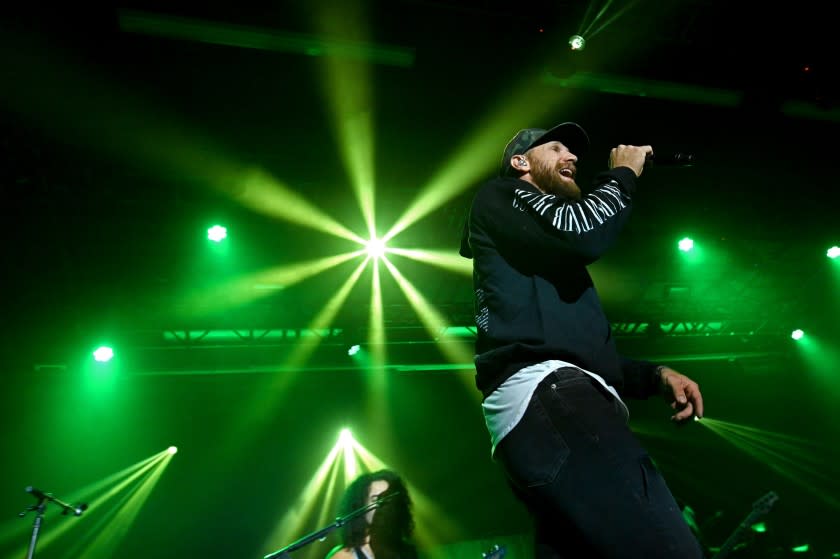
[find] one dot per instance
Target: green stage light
(833, 252)
(353, 350)
(685, 244)
(576, 42)
(103, 354)
(217, 233)
(797, 334)
(376, 248)
(172, 449)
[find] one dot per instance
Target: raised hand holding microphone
(633, 157)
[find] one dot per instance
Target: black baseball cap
(569, 134)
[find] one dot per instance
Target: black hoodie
(534, 298)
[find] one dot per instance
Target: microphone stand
(322, 533)
(40, 508)
(36, 525)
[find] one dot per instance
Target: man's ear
(519, 163)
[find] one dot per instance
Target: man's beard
(550, 181)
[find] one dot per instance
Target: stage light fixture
(217, 233)
(345, 437)
(577, 43)
(376, 248)
(103, 354)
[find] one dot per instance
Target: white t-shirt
(506, 405)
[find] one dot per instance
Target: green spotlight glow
(258, 190)
(245, 289)
(433, 321)
(103, 354)
(351, 465)
(105, 539)
(833, 252)
(797, 459)
(376, 248)
(759, 527)
(448, 260)
(172, 449)
(374, 362)
(801, 548)
(686, 244)
(329, 490)
(376, 331)
(299, 512)
(345, 437)
(605, 10)
(360, 357)
(797, 334)
(576, 42)
(242, 429)
(217, 233)
(348, 89)
(97, 495)
(324, 319)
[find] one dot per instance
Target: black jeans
(592, 489)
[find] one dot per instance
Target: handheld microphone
(675, 159)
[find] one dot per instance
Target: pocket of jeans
(563, 387)
(534, 452)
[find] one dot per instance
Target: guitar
(495, 552)
(759, 509)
